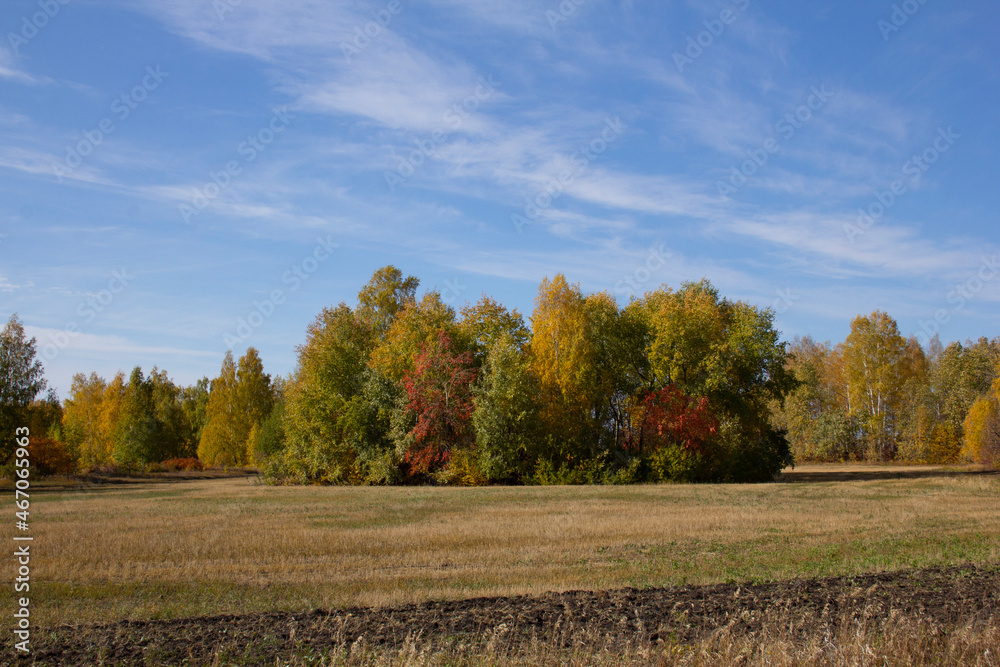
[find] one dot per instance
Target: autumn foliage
(881, 397)
(670, 418)
(680, 384)
(439, 394)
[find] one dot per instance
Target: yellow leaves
(240, 399)
(688, 326)
(417, 323)
(111, 407)
(561, 352)
(484, 323)
(982, 428)
(982, 432)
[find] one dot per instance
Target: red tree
(439, 389)
(670, 417)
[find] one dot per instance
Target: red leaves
(439, 389)
(671, 417)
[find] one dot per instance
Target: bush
(674, 464)
(49, 457)
(173, 465)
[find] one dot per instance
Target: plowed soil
(949, 597)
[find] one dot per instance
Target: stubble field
(275, 558)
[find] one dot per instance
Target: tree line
(878, 396)
(679, 385)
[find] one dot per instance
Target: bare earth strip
(948, 598)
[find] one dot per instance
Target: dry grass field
(170, 549)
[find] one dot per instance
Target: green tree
(22, 378)
(620, 375)
(730, 353)
(506, 419)
(486, 321)
(384, 297)
(194, 405)
(374, 421)
(330, 373)
(174, 430)
(45, 416)
(959, 376)
(137, 431)
(267, 440)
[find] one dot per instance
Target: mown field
(173, 549)
(167, 549)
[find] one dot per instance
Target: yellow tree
(111, 407)
(220, 444)
(982, 428)
(254, 399)
(875, 361)
(82, 418)
(562, 358)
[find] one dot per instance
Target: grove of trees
(881, 397)
(679, 385)
(675, 386)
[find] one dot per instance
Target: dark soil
(949, 597)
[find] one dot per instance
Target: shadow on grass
(862, 473)
(90, 483)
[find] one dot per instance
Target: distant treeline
(880, 397)
(680, 385)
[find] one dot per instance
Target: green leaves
(21, 379)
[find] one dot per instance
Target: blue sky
(182, 176)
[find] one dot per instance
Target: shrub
(49, 457)
(182, 464)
